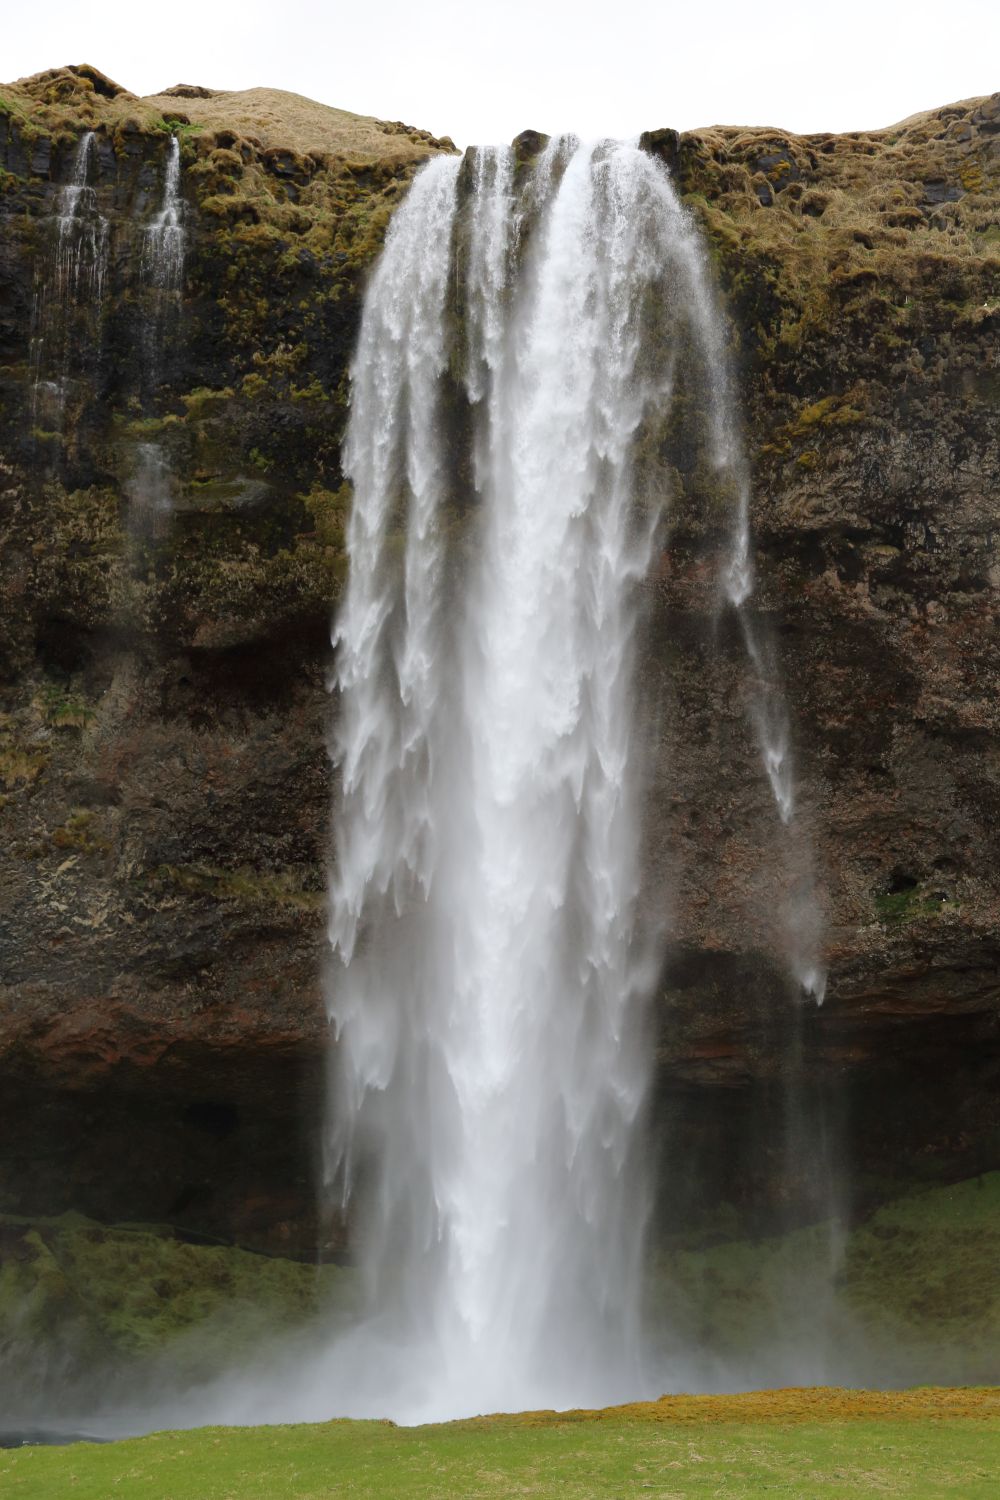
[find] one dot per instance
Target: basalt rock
(164, 781)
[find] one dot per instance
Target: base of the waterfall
(838, 1443)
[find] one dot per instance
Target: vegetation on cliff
(147, 1309)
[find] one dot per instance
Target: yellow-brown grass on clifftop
(80, 95)
(277, 118)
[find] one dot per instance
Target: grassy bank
(908, 1297)
(925, 1444)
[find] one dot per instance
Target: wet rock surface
(164, 780)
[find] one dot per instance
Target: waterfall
(811, 1137)
(489, 970)
(802, 918)
(69, 290)
(150, 485)
(82, 232)
(163, 256)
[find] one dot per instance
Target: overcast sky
(483, 73)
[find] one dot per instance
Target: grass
(920, 1445)
(98, 1303)
(912, 1295)
(914, 1291)
(274, 117)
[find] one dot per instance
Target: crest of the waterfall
(488, 974)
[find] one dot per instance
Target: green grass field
(812, 1445)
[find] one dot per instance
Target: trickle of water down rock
(70, 287)
(151, 485)
(164, 249)
(521, 339)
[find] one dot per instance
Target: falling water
(163, 255)
(489, 975)
(71, 289)
(803, 920)
(810, 1131)
(150, 485)
(82, 231)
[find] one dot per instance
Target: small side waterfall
(810, 1144)
(82, 249)
(803, 920)
(163, 257)
(151, 485)
(489, 979)
(69, 289)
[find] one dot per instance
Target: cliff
(164, 782)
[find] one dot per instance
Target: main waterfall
(489, 967)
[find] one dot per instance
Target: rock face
(164, 782)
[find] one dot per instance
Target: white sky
(483, 73)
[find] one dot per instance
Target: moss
(909, 905)
(13, 107)
(20, 765)
(329, 510)
(831, 411)
(63, 710)
(151, 426)
(203, 402)
(251, 887)
(80, 832)
(91, 1297)
(912, 1291)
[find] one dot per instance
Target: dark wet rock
(939, 190)
(529, 144)
(664, 144)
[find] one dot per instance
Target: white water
(164, 248)
(150, 486)
(74, 279)
(82, 231)
(802, 917)
(488, 984)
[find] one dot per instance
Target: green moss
(64, 710)
(93, 1294)
(150, 426)
(20, 764)
(831, 411)
(203, 402)
(909, 905)
(80, 832)
(913, 1290)
(251, 887)
(329, 510)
